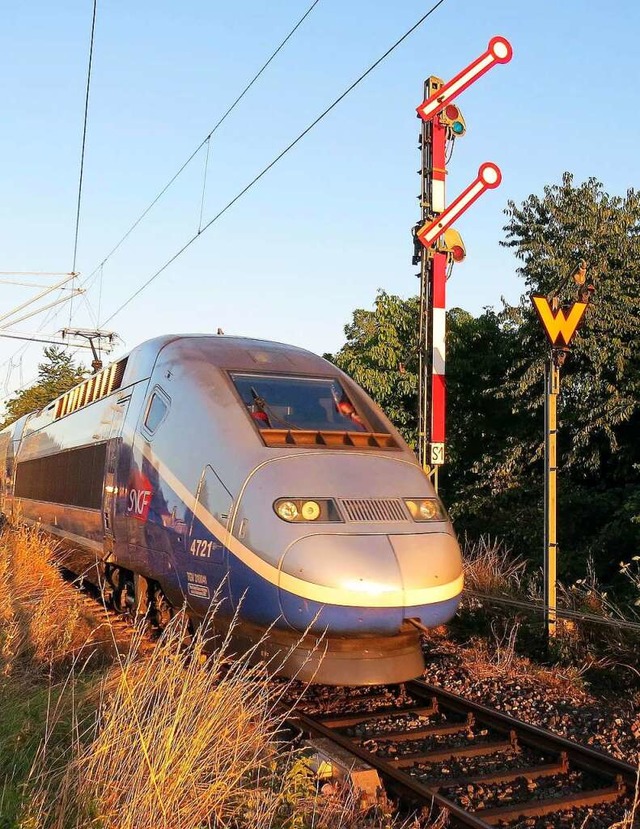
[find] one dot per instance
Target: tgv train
(249, 473)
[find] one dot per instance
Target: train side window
(157, 409)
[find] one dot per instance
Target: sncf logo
(139, 497)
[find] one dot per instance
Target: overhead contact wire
(80, 181)
(84, 135)
(170, 182)
(281, 155)
(208, 137)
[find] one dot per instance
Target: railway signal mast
(437, 246)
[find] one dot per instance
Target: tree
(381, 354)
(493, 478)
(601, 380)
(57, 374)
(480, 422)
(599, 406)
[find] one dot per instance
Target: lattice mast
(437, 245)
(435, 135)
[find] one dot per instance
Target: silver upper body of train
(253, 473)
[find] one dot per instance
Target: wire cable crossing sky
(318, 240)
(280, 155)
(206, 140)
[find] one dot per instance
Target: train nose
(342, 584)
(370, 583)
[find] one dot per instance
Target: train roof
(223, 351)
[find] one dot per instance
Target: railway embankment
(99, 727)
(105, 725)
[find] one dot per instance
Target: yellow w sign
(557, 326)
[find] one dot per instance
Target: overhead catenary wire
(50, 315)
(84, 135)
(204, 185)
(34, 273)
(99, 269)
(206, 139)
(61, 287)
(280, 156)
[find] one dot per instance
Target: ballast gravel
(538, 696)
(541, 698)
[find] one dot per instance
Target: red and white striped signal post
(437, 245)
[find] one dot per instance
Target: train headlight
(306, 509)
(425, 509)
(310, 511)
(287, 510)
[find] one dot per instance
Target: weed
(42, 621)
(490, 567)
(169, 737)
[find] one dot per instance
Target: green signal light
(457, 127)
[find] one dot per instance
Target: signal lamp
(452, 117)
(451, 243)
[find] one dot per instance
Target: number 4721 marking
(201, 547)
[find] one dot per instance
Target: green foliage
(480, 422)
(381, 354)
(493, 478)
(31, 709)
(57, 374)
(600, 403)
(496, 389)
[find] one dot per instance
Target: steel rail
(401, 780)
(619, 777)
(535, 736)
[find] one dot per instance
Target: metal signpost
(437, 245)
(560, 330)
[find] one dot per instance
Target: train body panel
(252, 474)
(10, 439)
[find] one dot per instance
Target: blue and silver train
(249, 473)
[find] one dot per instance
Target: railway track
(441, 752)
(481, 766)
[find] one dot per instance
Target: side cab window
(156, 411)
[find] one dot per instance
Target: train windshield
(298, 403)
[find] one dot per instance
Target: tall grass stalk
(490, 567)
(43, 623)
(174, 737)
(181, 738)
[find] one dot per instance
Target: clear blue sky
(331, 223)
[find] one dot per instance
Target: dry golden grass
(168, 738)
(490, 567)
(43, 623)
(183, 739)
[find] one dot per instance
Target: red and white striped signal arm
(498, 51)
(489, 176)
